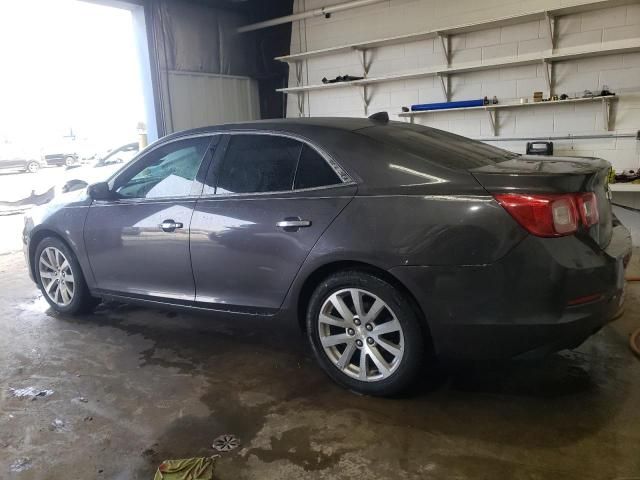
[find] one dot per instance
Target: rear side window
(443, 148)
(314, 171)
(258, 163)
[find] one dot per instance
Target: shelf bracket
(366, 98)
(548, 75)
(298, 66)
(606, 114)
(446, 47)
(362, 57)
(445, 84)
(300, 97)
(550, 23)
(493, 120)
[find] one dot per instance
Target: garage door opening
(72, 92)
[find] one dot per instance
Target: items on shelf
(627, 176)
(537, 96)
(605, 92)
(420, 107)
(341, 78)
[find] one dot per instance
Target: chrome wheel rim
(33, 167)
(56, 276)
(361, 335)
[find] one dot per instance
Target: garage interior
(114, 394)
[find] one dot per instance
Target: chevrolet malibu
(391, 244)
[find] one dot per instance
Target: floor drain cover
(225, 443)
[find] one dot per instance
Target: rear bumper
(545, 295)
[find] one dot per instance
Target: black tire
(413, 357)
(82, 301)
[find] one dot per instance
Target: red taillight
(551, 215)
(588, 207)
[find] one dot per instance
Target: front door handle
(292, 224)
(170, 225)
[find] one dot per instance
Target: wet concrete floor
(132, 386)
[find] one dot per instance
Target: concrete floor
(132, 387)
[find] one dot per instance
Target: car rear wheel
(60, 278)
(33, 167)
(365, 333)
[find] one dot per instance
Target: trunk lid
(535, 174)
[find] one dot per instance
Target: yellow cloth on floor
(186, 469)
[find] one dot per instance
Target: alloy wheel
(56, 276)
(361, 335)
(33, 167)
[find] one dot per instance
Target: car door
(138, 243)
(266, 201)
(9, 158)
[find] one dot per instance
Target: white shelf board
(609, 48)
(365, 81)
(511, 105)
(453, 30)
(494, 63)
(624, 187)
(460, 109)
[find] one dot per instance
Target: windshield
(443, 148)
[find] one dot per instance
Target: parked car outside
(122, 154)
(60, 159)
(390, 243)
(15, 158)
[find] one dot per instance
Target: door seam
(295, 277)
(193, 277)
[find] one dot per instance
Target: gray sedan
(391, 244)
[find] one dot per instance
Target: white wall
(621, 73)
(200, 99)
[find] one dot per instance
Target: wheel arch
(35, 240)
(319, 274)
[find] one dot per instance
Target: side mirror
(100, 191)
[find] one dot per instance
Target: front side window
(167, 171)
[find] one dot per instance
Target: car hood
(78, 198)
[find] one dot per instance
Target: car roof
(297, 125)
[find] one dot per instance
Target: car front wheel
(365, 334)
(60, 278)
(33, 167)
(69, 161)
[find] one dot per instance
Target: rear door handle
(170, 225)
(292, 224)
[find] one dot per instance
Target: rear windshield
(442, 148)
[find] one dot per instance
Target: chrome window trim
(279, 192)
(143, 201)
(343, 176)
